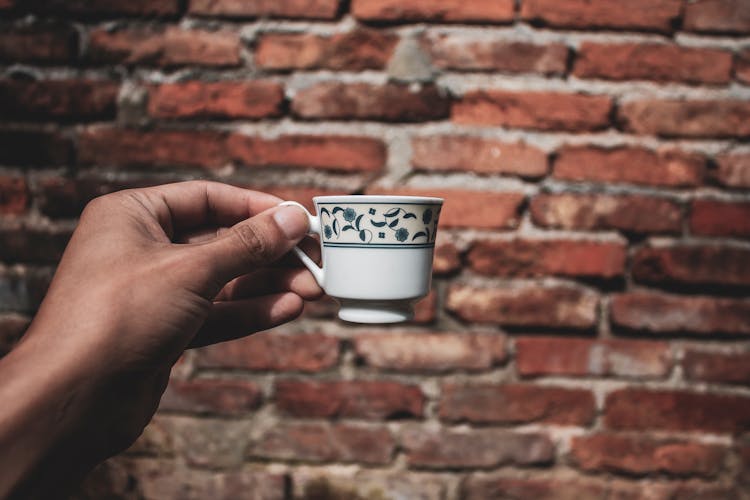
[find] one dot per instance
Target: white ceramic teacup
(377, 253)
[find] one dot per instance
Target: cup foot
(373, 312)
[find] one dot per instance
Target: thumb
(255, 242)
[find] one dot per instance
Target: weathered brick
(170, 47)
(653, 61)
(633, 165)
(477, 11)
(591, 212)
(12, 327)
(157, 439)
(303, 195)
(33, 148)
(273, 352)
(692, 265)
(544, 257)
(58, 99)
(302, 9)
(641, 455)
(353, 51)
(734, 170)
(363, 101)
(430, 352)
(39, 43)
(318, 483)
(537, 356)
(723, 368)
(679, 118)
(23, 288)
(528, 306)
(324, 442)
(744, 453)
(718, 16)
(456, 52)
(720, 218)
(475, 154)
(425, 311)
(481, 448)
(742, 66)
(226, 397)
(516, 403)
(693, 489)
(20, 243)
(370, 399)
(645, 15)
(465, 208)
(533, 110)
(447, 259)
(500, 487)
(669, 314)
(640, 409)
(214, 443)
(247, 99)
(14, 195)
(104, 8)
(337, 153)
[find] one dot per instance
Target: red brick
(718, 16)
(324, 442)
(425, 311)
(456, 52)
(528, 306)
(225, 397)
(632, 165)
(258, 99)
(734, 170)
(678, 118)
(648, 15)
(744, 453)
(447, 259)
(273, 352)
(591, 212)
(303, 9)
(481, 448)
(742, 66)
(19, 243)
(526, 258)
(665, 314)
(430, 352)
(723, 368)
(33, 148)
(338, 153)
(364, 101)
(653, 61)
(170, 47)
(58, 99)
(303, 195)
(516, 403)
(7, 4)
(107, 146)
(105, 8)
(537, 356)
(641, 409)
(719, 218)
(692, 265)
(476, 11)
(500, 487)
(358, 398)
(642, 455)
(14, 195)
(39, 43)
(12, 327)
(473, 209)
(533, 110)
(475, 154)
(353, 51)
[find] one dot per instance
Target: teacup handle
(314, 221)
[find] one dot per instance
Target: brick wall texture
(588, 336)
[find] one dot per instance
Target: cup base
(376, 312)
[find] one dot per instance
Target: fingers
(232, 320)
(272, 280)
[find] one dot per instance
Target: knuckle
(252, 241)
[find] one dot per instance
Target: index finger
(191, 204)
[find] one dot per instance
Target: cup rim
(376, 198)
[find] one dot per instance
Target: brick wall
(589, 333)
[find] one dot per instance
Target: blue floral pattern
(380, 223)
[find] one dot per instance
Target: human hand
(147, 273)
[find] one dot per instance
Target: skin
(147, 274)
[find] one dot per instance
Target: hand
(147, 273)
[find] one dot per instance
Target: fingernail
(292, 221)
